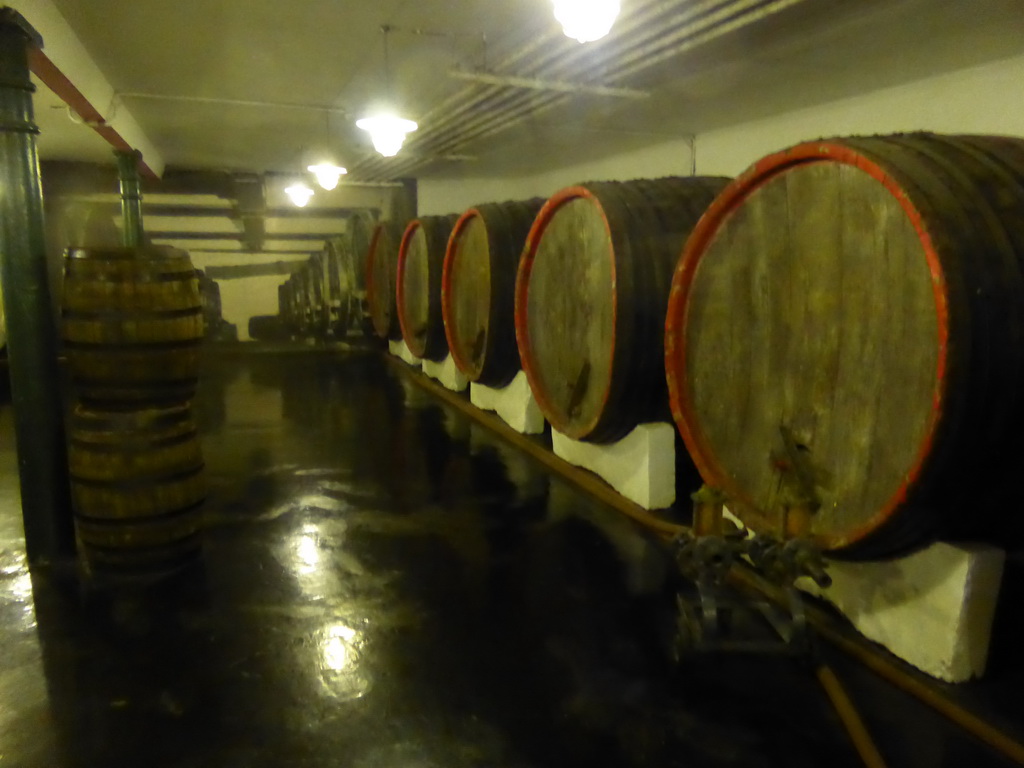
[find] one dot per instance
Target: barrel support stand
(32, 333)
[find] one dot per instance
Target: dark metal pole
(131, 197)
(31, 330)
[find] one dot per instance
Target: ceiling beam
(236, 236)
(67, 68)
(189, 211)
(237, 271)
(536, 84)
(250, 207)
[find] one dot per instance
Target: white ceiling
(328, 53)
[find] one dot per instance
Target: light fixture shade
(586, 20)
(327, 174)
(300, 194)
(387, 133)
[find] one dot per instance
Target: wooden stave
(633, 392)
(138, 483)
(132, 325)
(437, 231)
(508, 225)
(914, 166)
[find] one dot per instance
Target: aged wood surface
(571, 312)
(381, 275)
(470, 296)
(812, 310)
(478, 295)
(596, 277)
(421, 265)
(132, 324)
(866, 297)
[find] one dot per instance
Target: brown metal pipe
(850, 717)
(741, 575)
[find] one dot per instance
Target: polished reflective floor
(384, 584)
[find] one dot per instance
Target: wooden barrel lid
(420, 263)
(571, 333)
(478, 289)
(591, 293)
(381, 271)
(832, 320)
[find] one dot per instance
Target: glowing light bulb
(327, 174)
(300, 194)
(586, 20)
(387, 133)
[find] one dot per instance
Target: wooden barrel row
(326, 297)
(842, 331)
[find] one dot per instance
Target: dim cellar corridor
(386, 584)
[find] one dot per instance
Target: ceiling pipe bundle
(496, 108)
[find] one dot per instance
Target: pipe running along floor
(385, 584)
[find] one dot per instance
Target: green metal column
(31, 330)
(131, 197)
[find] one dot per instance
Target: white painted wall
(440, 196)
(247, 297)
(983, 99)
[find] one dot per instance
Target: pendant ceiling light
(387, 131)
(327, 174)
(586, 20)
(300, 194)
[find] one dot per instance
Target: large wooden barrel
(420, 263)
(209, 298)
(315, 288)
(478, 289)
(846, 330)
(137, 483)
(591, 294)
(360, 231)
(361, 227)
(381, 273)
(336, 258)
(132, 325)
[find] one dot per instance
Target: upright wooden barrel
(478, 289)
(420, 263)
(132, 325)
(846, 331)
(209, 298)
(591, 294)
(381, 273)
(137, 484)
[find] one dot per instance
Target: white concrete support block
(641, 466)
(934, 609)
(447, 373)
(401, 350)
(514, 403)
